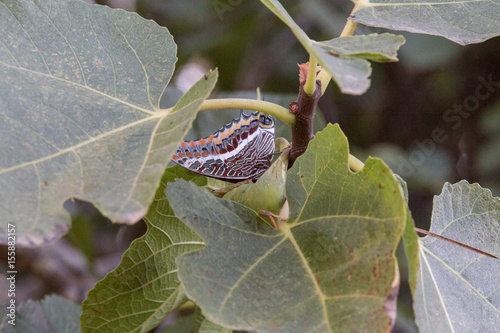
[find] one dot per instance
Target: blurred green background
(395, 120)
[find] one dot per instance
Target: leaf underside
(374, 47)
(79, 113)
(458, 290)
(463, 22)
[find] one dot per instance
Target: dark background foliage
(394, 120)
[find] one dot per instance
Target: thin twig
(425, 232)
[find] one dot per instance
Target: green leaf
(351, 75)
(268, 192)
(52, 314)
(410, 239)
(329, 269)
(144, 288)
(374, 47)
(463, 22)
(411, 246)
(458, 289)
(79, 92)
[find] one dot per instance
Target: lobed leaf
(80, 87)
(458, 289)
(463, 22)
(330, 268)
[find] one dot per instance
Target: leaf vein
(457, 274)
(29, 37)
(247, 271)
(421, 249)
(107, 54)
(83, 143)
(140, 62)
(67, 42)
(290, 236)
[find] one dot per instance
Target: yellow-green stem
(355, 164)
(310, 84)
(250, 104)
(350, 26)
(325, 79)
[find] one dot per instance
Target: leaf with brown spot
(316, 272)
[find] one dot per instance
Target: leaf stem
(310, 84)
(350, 26)
(355, 164)
(325, 79)
(250, 104)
